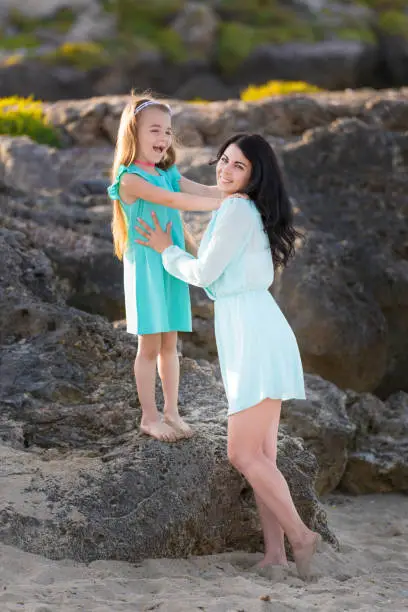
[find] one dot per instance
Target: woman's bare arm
(133, 187)
(207, 191)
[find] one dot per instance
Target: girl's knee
(148, 347)
(168, 346)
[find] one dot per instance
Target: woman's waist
(258, 292)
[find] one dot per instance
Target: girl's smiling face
(233, 170)
(154, 134)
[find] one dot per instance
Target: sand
(370, 573)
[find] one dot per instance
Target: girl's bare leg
(145, 375)
(246, 436)
(169, 372)
(275, 553)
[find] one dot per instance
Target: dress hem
(283, 398)
(158, 331)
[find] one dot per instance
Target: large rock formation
(78, 479)
(360, 442)
(378, 457)
(66, 385)
(345, 293)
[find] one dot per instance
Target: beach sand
(370, 573)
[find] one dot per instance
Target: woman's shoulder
(238, 201)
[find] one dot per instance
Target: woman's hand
(157, 239)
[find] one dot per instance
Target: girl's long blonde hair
(125, 154)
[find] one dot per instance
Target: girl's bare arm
(133, 187)
(207, 191)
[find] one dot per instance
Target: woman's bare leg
(169, 372)
(246, 435)
(145, 375)
(275, 553)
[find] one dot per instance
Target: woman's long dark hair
(266, 188)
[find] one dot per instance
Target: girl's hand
(157, 239)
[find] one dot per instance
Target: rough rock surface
(78, 479)
(324, 425)
(345, 158)
(339, 326)
(378, 457)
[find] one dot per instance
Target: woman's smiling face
(233, 170)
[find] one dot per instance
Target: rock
(331, 64)
(43, 9)
(205, 87)
(30, 78)
(81, 482)
(385, 275)
(22, 165)
(378, 457)
(293, 115)
(72, 226)
(279, 118)
(200, 343)
(391, 114)
(28, 291)
(197, 24)
(92, 24)
(194, 162)
(325, 427)
(360, 170)
(341, 331)
(367, 198)
(90, 276)
(394, 51)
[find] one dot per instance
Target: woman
(260, 364)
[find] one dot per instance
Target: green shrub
(394, 23)
(20, 41)
(62, 21)
(365, 35)
(235, 43)
(254, 12)
(138, 16)
(81, 55)
(236, 40)
(25, 117)
(384, 5)
(171, 44)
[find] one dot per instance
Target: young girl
(157, 304)
(258, 353)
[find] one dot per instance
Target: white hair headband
(151, 103)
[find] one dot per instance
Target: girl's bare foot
(304, 554)
(182, 429)
(159, 431)
(272, 560)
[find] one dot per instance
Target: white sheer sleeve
(233, 226)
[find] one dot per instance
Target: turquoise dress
(155, 300)
(258, 352)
